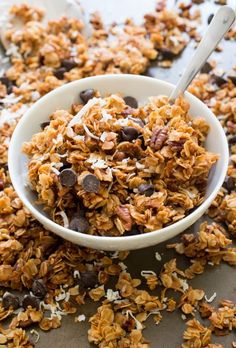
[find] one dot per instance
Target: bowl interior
(139, 87)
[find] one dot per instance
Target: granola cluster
(57, 277)
(110, 169)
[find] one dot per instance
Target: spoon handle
(218, 27)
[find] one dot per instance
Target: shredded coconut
(183, 316)
(80, 318)
(76, 274)
(34, 332)
(211, 299)
(65, 219)
(158, 256)
(139, 326)
(103, 136)
(90, 133)
(77, 119)
(147, 273)
(122, 266)
(112, 295)
(105, 116)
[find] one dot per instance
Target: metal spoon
(218, 27)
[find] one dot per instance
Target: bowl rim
(107, 239)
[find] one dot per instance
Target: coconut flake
(76, 274)
(11, 99)
(7, 116)
(35, 95)
(158, 256)
(183, 316)
(139, 326)
(55, 170)
(77, 119)
(139, 165)
(103, 136)
(209, 300)
(79, 137)
(105, 116)
(112, 295)
(96, 161)
(147, 273)
(34, 332)
(65, 218)
(80, 318)
(115, 255)
(122, 122)
(183, 283)
(122, 266)
(90, 133)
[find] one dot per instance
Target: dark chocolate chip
(32, 301)
(87, 94)
(38, 288)
(229, 183)
(134, 231)
(207, 67)
(129, 133)
(10, 300)
(131, 101)
(167, 54)
(59, 73)
(146, 189)
(232, 140)
(8, 83)
(88, 279)
(79, 224)
(209, 19)
(44, 125)
(233, 79)
(68, 177)
(68, 64)
(90, 183)
(219, 80)
(1, 185)
(138, 121)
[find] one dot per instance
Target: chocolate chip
(167, 54)
(133, 232)
(38, 288)
(6, 82)
(138, 121)
(229, 183)
(129, 133)
(90, 183)
(1, 185)
(79, 224)
(131, 101)
(207, 67)
(32, 301)
(232, 140)
(86, 95)
(88, 279)
(68, 64)
(68, 177)
(146, 189)
(44, 125)
(59, 73)
(219, 80)
(210, 18)
(10, 300)
(233, 79)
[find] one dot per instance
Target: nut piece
(158, 138)
(124, 215)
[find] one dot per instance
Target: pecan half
(177, 145)
(158, 138)
(124, 214)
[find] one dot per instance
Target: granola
(59, 276)
(105, 168)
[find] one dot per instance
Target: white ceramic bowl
(141, 88)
